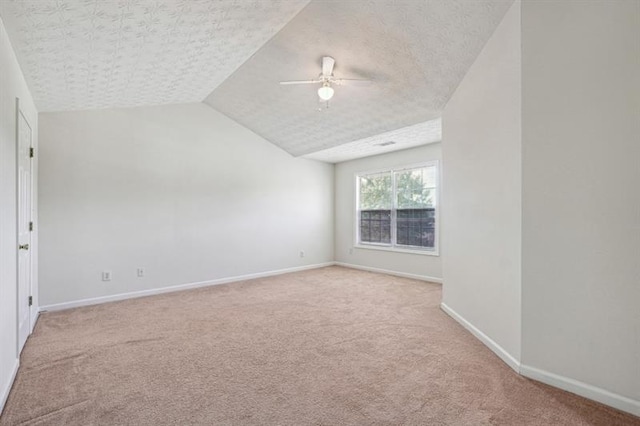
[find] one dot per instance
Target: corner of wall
(482, 205)
(12, 86)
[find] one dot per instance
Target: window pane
(415, 188)
(375, 226)
(416, 227)
(400, 201)
(429, 176)
(376, 192)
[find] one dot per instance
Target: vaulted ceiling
(231, 54)
(82, 54)
(416, 52)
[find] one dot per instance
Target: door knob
(23, 247)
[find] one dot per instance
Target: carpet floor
(330, 346)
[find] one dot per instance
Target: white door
(24, 230)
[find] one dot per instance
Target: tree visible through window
(398, 207)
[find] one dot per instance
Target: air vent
(386, 143)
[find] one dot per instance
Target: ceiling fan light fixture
(326, 78)
(325, 92)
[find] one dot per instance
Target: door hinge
(30, 300)
(30, 226)
(32, 152)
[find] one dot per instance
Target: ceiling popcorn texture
(407, 137)
(232, 54)
(416, 52)
(83, 54)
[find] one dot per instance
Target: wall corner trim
(389, 272)
(6, 387)
(583, 389)
(588, 391)
(505, 356)
(179, 287)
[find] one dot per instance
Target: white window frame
(435, 251)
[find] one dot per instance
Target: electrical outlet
(301, 253)
(106, 275)
(140, 272)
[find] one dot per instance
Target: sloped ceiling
(83, 54)
(416, 52)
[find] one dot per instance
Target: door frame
(19, 113)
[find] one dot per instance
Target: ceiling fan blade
(352, 82)
(300, 82)
(327, 65)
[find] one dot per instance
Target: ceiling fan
(327, 79)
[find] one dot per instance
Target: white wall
(12, 86)
(581, 201)
(407, 263)
(541, 208)
(180, 190)
(481, 203)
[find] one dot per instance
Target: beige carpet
(331, 346)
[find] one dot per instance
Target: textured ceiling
(416, 51)
(407, 137)
(80, 54)
(84, 54)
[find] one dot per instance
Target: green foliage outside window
(414, 190)
(376, 192)
(411, 217)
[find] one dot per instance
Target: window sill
(397, 249)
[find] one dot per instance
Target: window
(397, 209)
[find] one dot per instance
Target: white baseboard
(34, 319)
(565, 383)
(180, 287)
(583, 389)
(7, 386)
(510, 360)
(388, 272)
